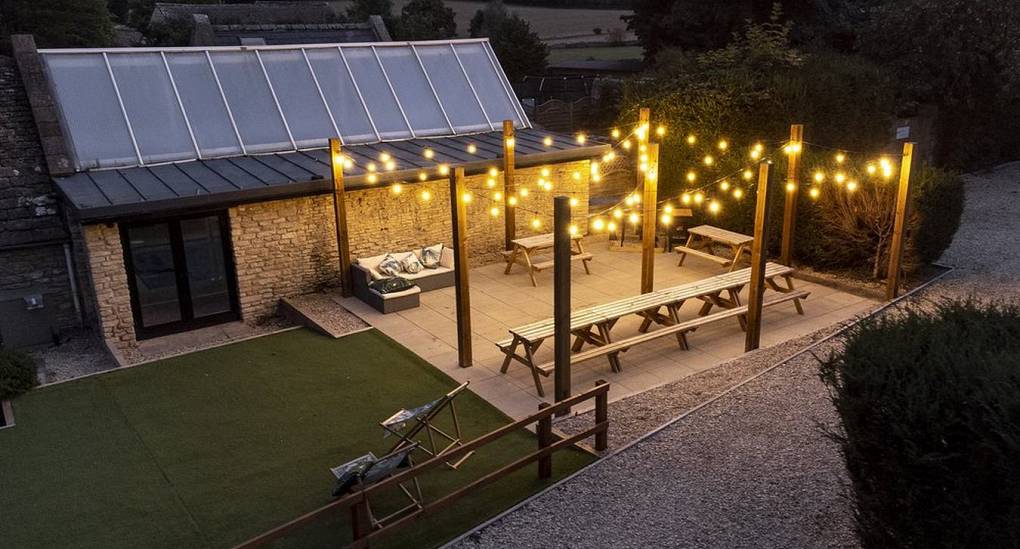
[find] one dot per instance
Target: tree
(519, 49)
(57, 23)
(360, 10)
(426, 20)
(487, 19)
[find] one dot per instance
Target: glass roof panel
(152, 107)
(306, 114)
(88, 102)
(265, 99)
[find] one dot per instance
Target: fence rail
(357, 501)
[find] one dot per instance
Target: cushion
(410, 263)
(391, 285)
(389, 266)
(431, 256)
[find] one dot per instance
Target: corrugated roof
(104, 195)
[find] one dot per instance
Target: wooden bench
(706, 237)
(593, 325)
(525, 248)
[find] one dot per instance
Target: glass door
(180, 273)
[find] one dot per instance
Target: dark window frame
(187, 321)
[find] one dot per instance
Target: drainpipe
(72, 281)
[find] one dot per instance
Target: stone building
(157, 191)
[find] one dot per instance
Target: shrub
(937, 206)
(930, 406)
(17, 373)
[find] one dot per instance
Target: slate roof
(112, 194)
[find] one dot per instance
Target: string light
(444, 169)
(524, 192)
(372, 178)
(634, 218)
(840, 157)
(497, 195)
(738, 193)
(641, 132)
(548, 141)
(397, 188)
(618, 213)
(598, 224)
(685, 198)
(490, 182)
(748, 174)
(370, 167)
(691, 139)
(493, 172)
(724, 186)
(545, 172)
(426, 195)
(348, 163)
(509, 142)
(814, 192)
(851, 186)
(422, 176)
(819, 176)
(791, 186)
(384, 157)
(626, 144)
(708, 160)
(512, 201)
(581, 138)
(699, 197)
(576, 175)
(755, 154)
(391, 165)
(611, 226)
(692, 176)
(666, 219)
(609, 156)
(714, 207)
(573, 202)
(840, 177)
(536, 223)
(870, 168)
(723, 145)
(471, 148)
(572, 230)
(660, 131)
(428, 153)
(494, 211)
(615, 133)
(668, 208)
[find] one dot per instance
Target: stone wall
(282, 248)
(381, 221)
(32, 230)
(288, 247)
(110, 285)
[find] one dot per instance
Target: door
(180, 273)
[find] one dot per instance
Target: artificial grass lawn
(212, 448)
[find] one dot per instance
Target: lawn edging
(701, 406)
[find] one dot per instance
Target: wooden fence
(548, 443)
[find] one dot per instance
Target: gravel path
(754, 468)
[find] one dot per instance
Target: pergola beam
(343, 245)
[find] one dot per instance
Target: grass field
(601, 53)
(549, 23)
(209, 449)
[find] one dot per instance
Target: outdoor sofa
(364, 270)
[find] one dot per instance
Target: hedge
(930, 406)
(17, 373)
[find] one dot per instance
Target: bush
(930, 405)
(937, 206)
(17, 373)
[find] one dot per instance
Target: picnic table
(593, 326)
(706, 237)
(525, 248)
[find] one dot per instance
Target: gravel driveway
(753, 468)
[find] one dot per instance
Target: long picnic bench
(706, 237)
(593, 325)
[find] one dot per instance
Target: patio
(500, 302)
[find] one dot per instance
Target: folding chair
(367, 470)
(408, 425)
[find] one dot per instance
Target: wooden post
(601, 415)
(759, 248)
(545, 438)
(649, 200)
(790, 211)
(509, 212)
(458, 207)
(892, 287)
(561, 299)
(361, 523)
(343, 245)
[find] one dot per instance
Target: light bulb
(691, 176)
(738, 193)
(723, 144)
(428, 153)
(493, 172)
(426, 195)
(494, 211)
(490, 182)
(598, 224)
(524, 191)
(666, 219)
(699, 197)
(471, 148)
(634, 218)
(497, 195)
(548, 141)
(536, 223)
(708, 160)
(618, 213)
(714, 207)
(748, 174)
(815, 192)
(573, 202)
(397, 188)
(725, 185)
(615, 133)
(691, 139)
(581, 138)
(444, 169)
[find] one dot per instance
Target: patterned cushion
(411, 264)
(431, 255)
(389, 266)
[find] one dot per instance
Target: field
(554, 25)
(607, 53)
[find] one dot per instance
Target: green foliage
(17, 373)
(360, 10)
(174, 31)
(57, 23)
(930, 407)
(426, 20)
(938, 198)
(519, 49)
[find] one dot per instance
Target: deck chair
(368, 469)
(409, 425)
